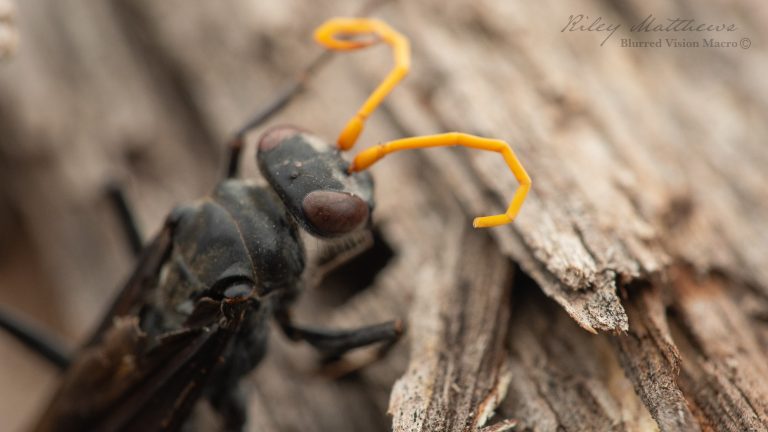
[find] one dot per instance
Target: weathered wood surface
(646, 223)
(8, 34)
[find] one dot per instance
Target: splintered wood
(646, 223)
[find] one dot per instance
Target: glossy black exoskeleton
(193, 318)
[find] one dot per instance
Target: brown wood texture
(645, 225)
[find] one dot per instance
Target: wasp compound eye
(314, 182)
(274, 136)
(334, 213)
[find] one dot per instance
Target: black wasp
(193, 318)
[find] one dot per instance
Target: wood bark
(630, 294)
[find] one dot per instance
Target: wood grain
(645, 224)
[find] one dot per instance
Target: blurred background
(643, 160)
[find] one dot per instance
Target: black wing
(121, 383)
(124, 379)
(143, 280)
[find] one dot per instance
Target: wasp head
(314, 182)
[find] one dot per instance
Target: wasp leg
(369, 156)
(236, 144)
(35, 339)
(330, 34)
(127, 219)
(333, 343)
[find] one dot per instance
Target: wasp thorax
(313, 181)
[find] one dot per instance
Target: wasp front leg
(334, 343)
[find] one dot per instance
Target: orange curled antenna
(369, 156)
(327, 35)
